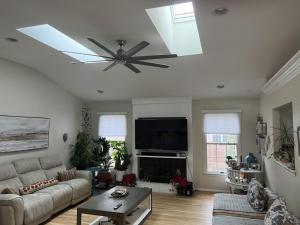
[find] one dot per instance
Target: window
(183, 12)
(52, 37)
(221, 131)
(113, 127)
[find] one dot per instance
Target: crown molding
(290, 70)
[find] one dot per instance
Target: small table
(103, 205)
(95, 171)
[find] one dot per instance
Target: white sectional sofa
(35, 208)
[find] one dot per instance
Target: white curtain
(222, 123)
(112, 126)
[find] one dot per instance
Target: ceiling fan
(126, 58)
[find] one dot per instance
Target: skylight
(52, 37)
(183, 12)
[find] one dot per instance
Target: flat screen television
(161, 134)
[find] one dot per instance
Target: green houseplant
(121, 158)
(100, 153)
(81, 155)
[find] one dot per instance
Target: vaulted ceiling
(240, 49)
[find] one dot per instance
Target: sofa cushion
(276, 215)
(13, 183)
(234, 205)
(26, 165)
(256, 196)
(8, 178)
(230, 220)
(61, 194)
(36, 207)
(79, 186)
(49, 162)
(32, 177)
(53, 172)
(67, 174)
(7, 171)
(270, 197)
(29, 189)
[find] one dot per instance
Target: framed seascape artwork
(23, 133)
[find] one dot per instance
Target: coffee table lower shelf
(137, 218)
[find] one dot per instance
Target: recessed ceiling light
(11, 39)
(220, 11)
(100, 91)
(220, 86)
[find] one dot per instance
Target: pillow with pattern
(277, 214)
(256, 196)
(8, 191)
(67, 174)
(29, 189)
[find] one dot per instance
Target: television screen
(161, 134)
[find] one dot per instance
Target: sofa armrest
(11, 209)
(84, 174)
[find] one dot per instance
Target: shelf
(161, 157)
(293, 172)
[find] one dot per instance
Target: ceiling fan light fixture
(220, 86)
(100, 91)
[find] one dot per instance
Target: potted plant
(100, 154)
(81, 150)
(121, 158)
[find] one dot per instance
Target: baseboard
(211, 190)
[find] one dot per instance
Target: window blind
(222, 123)
(112, 126)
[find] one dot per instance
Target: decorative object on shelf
(65, 137)
(232, 163)
(283, 146)
(298, 136)
(261, 127)
(19, 133)
(122, 159)
(250, 158)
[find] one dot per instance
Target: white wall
(248, 144)
(280, 180)
(26, 92)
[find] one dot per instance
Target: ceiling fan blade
(137, 48)
(110, 66)
(152, 57)
(102, 47)
(78, 53)
(132, 67)
(149, 64)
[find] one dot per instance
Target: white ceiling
(240, 49)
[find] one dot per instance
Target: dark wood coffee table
(103, 205)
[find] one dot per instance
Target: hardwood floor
(167, 210)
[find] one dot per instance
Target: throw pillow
(67, 174)
(29, 189)
(277, 214)
(8, 191)
(256, 196)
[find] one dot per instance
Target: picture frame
(298, 136)
(22, 133)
